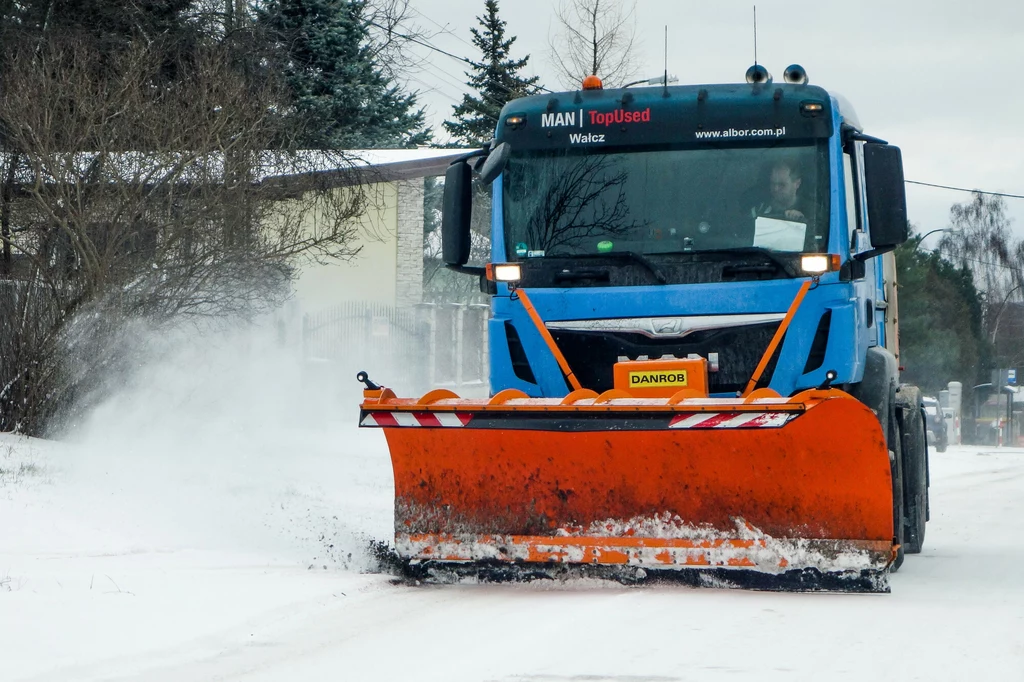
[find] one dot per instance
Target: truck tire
(893, 442)
(877, 390)
(913, 442)
(876, 387)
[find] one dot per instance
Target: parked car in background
(936, 424)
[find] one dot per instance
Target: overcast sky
(940, 79)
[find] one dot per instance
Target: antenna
(757, 74)
(755, 35)
(665, 82)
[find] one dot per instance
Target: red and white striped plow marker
(434, 419)
(731, 420)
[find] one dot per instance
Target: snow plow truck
(693, 350)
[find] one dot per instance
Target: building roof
(376, 165)
(364, 166)
(290, 170)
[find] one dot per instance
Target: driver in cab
(783, 202)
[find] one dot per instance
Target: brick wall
(409, 289)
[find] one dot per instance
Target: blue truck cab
(683, 220)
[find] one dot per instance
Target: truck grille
(592, 354)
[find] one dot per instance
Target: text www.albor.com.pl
(747, 132)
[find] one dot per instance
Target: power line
(444, 29)
(978, 260)
(447, 31)
(457, 101)
(452, 79)
(436, 70)
(464, 60)
(956, 259)
(417, 41)
(432, 88)
(964, 189)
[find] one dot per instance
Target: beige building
(368, 313)
(388, 270)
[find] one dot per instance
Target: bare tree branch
(130, 194)
(594, 37)
(980, 240)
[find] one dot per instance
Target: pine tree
(941, 330)
(111, 23)
(495, 80)
(341, 98)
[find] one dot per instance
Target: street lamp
(930, 232)
(999, 312)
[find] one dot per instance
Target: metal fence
(430, 345)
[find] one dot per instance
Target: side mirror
(455, 213)
(495, 162)
(887, 196)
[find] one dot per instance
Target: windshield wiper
(773, 256)
(750, 269)
(631, 255)
(579, 275)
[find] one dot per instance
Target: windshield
(571, 203)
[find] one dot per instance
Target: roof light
(811, 108)
(504, 272)
(592, 83)
(817, 263)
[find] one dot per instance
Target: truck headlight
(504, 272)
(817, 263)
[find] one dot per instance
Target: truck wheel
(877, 391)
(876, 388)
(913, 442)
(892, 437)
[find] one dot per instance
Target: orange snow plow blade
(764, 492)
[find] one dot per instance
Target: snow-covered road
(122, 564)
